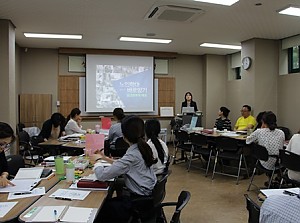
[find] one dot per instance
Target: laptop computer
(186, 110)
(193, 122)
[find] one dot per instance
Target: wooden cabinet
(34, 109)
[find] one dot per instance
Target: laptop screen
(194, 122)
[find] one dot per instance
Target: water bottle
(70, 172)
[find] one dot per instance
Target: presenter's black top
(192, 104)
(3, 163)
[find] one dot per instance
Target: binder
(84, 183)
(61, 214)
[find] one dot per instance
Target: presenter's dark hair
(133, 130)
(119, 113)
(57, 119)
(6, 131)
(225, 111)
(187, 94)
(269, 118)
(74, 112)
(248, 107)
(152, 129)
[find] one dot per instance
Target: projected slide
(119, 81)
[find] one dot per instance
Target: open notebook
(60, 214)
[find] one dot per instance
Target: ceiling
(102, 22)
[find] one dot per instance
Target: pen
(20, 193)
(55, 215)
(63, 198)
(289, 193)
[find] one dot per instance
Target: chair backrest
(24, 136)
(227, 144)
(182, 201)
(259, 152)
(289, 160)
(199, 139)
(253, 210)
(14, 162)
(121, 144)
(159, 191)
(182, 136)
(287, 132)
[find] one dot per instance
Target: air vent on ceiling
(173, 13)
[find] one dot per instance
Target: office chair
(148, 209)
(26, 148)
(290, 161)
(229, 149)
(253, 210)
(261, 153)
(14, 162)
(200, 146)
(182, 201)
(183, 143)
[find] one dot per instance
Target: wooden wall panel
(166, 92)
(68, 93)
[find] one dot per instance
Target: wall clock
(246, 63)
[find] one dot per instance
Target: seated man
(246, 121)
(280, 208)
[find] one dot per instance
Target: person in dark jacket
(6, 137)
(53, 128)
(188, 101)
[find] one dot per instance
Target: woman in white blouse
(159, 148)
(269, 137)
(72, 125)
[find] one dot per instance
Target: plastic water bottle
(70, 172)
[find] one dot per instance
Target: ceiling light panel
(52, 36)
(219, 2)
(222, 46)
(291, 10)
(145, 40)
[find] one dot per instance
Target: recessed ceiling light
(145, 40)
(219, 2)
(290, 10)
(52, 36)
(222, 46)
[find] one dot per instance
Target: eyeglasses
(5, 146)
(244, 111)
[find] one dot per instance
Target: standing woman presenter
(188, 101)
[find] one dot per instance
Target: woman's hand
(4, 181)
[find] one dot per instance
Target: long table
(24, 203)
(93, 200)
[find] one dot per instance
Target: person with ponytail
(136, 168)
(268, 136)
(72, 122)
(159, 147)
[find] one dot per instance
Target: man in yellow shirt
(246, 121)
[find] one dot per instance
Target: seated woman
(73, 125)
(6, 137)
(269, 137)
(135, 166)
(188, 101)
(223, 122)
(159, 147)
(294, 147)
(53, 128)
(115, 130)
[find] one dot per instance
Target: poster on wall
(76, 64)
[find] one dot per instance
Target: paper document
(51, 159)
(70, 194)
(75, 135)
(77, 214)
(230, 134)
(35, 192)
(271, 192)
(60, 214)
(29, 173)
(20, 185)
(5, 207)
